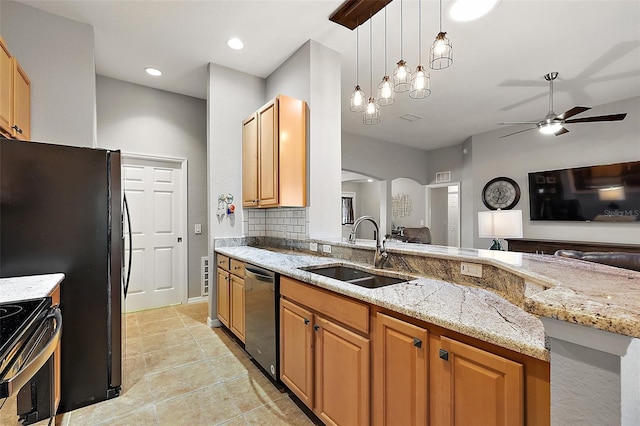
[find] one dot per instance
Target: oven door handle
(25, 374)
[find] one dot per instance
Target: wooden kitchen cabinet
(400, 373)
(223, 293)
(15, 97)
(473, 386)
(324, 360)
(296, 350)
(236, 323)
(230, 294)
(274, 146)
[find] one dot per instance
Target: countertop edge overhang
(14, 289)
(471, 311)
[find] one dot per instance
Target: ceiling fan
(553, 124)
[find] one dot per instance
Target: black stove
(18, 321)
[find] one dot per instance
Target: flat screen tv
(607, 193)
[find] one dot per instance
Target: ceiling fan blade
(517, 122)
(515, 133)
(612, 117)
(561, 131)
(573, 111)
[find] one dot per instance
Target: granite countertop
(471, 311)
(576, 291)
(28, 287)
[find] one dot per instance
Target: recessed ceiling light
(468, 10)
(153, 71)
(235, 43)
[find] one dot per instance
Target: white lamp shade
(500, 224)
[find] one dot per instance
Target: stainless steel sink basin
(356, 276)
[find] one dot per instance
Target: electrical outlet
(326, 248)
(471, 269)
(313, 246)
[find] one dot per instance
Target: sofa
(617, 259)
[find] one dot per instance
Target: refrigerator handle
(126, 210)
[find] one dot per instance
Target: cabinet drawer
(347, 311)
(222, 262)
(237, 268)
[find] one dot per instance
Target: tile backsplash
(290, 223)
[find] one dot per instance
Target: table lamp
(499, 224)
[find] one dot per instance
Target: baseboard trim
(199, 299)
(214, 323)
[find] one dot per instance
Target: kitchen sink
(356, 276)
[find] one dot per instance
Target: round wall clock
(501, 193)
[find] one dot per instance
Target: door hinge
(444, 355)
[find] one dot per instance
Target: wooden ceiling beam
(352, 13)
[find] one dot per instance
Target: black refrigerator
(60, 211)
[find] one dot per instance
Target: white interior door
(155, 195)
(453, 220)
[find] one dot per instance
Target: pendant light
(421, 81)
(372, 110)
(386, 94)
(441, 55)
(402, 73)
(357, 96)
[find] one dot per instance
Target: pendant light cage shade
(371, 112)
(386, 94)
(358, 100)
(420, 84)
(441, 52)
(402, 77)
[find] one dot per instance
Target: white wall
(584, 145)
(231, 97)
(416, 193)
(383, 160)
(446, 159)
(58, 56)
(310, 74)
(142, 120)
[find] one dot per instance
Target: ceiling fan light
(358, 99)
(420, 84)
(386, 94)
(549, 128)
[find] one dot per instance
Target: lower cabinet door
(342, 375)
(484, 389)
(296, 350)
(223, 295)
(400, 366)
(237, 306)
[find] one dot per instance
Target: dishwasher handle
(258, 274)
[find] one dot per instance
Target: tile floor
(179, 371)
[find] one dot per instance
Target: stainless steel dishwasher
(261, 293)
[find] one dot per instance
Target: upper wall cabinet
(274, 155)
(15, 97)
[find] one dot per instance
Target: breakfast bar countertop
(468, 310)
(28, 287)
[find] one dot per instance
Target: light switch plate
(198, 228)
(471, 269)
(313, 246)
(326, 248)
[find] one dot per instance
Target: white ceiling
(497, 75)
